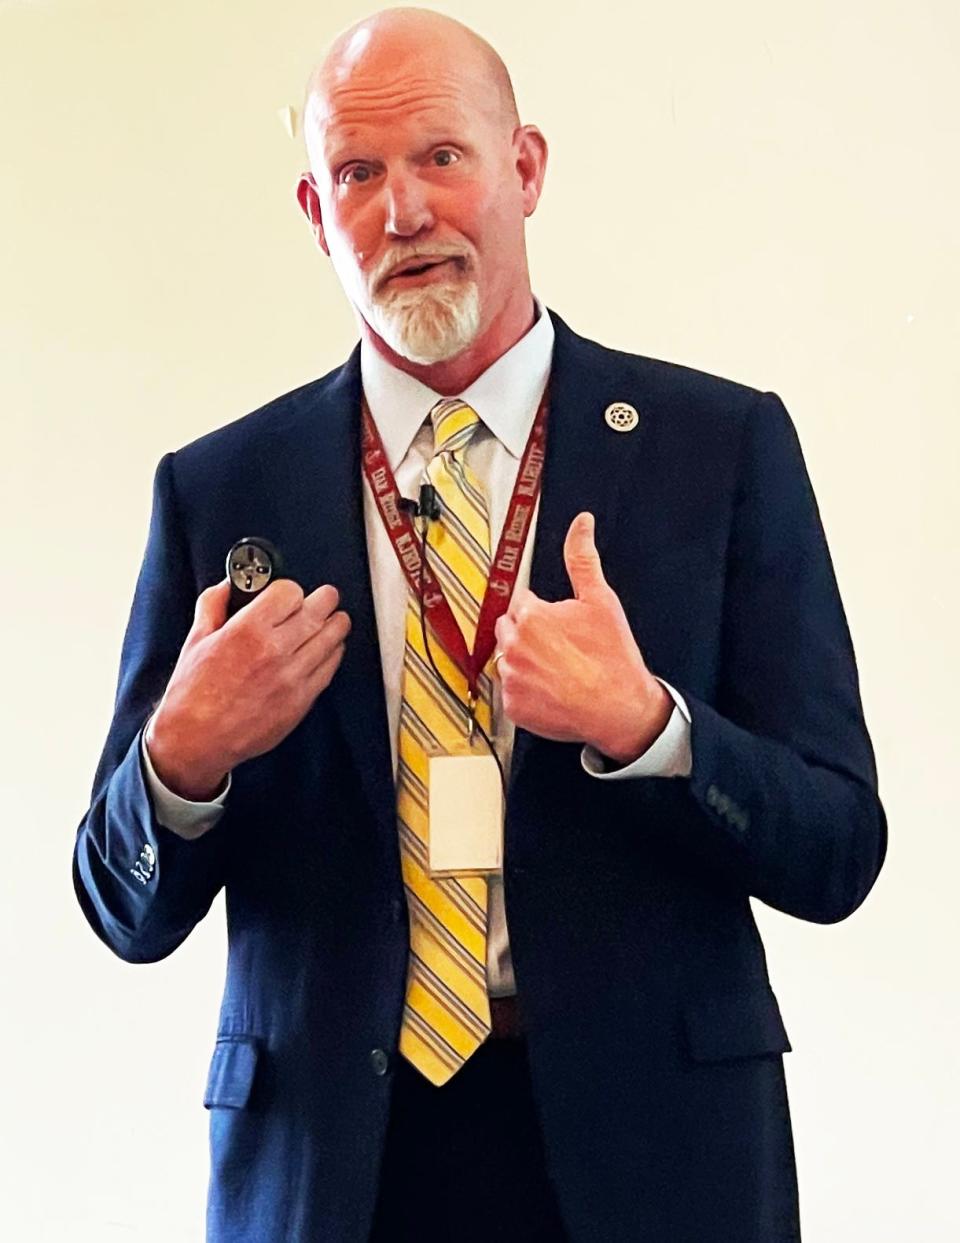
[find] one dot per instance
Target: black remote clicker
(252, 563)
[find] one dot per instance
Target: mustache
(399, 256)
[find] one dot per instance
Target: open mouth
(417, 267)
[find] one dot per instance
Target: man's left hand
(572, 670)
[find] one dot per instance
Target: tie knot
(454, 423)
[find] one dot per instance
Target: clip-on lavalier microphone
(428, 505)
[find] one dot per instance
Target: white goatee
(428, 325)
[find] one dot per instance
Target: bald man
(516, 563)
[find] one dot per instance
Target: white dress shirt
(506, 397)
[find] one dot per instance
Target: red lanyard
(503, 567)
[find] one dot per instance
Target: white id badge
(465, 823)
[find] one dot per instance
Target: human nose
(408, 207)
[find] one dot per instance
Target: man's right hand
(241, 684)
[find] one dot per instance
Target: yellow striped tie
(446, 1014)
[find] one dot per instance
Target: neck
(453, 375)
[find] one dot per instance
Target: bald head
(421, 181)
(374, 51)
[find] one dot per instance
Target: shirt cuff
(669, 755)
(181, 816)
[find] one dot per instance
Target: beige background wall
(767, 190)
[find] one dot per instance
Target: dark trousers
(464, 1163)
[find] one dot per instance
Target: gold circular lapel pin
(621, 416)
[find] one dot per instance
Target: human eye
(357, 174)
(443, 157)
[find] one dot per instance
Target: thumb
(582, 559)
(211, 610)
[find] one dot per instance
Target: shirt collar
(505, 396)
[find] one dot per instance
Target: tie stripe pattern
(446, 1014)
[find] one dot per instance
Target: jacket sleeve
(783, 768)
(142, 887)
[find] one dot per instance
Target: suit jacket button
(379, 1061)
(712, 794)
(396, 910)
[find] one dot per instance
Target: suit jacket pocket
(734, 1025)
(232, 1071)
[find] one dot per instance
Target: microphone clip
(427, 506)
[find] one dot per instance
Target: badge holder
(465, 811)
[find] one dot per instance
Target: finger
(320, 603)
(303, 623)
(314, 647)
(581, 558)
(334, 629)
(506, 633)
(300, 624)
(271, 607)
(322, 673)
(210, 612)
(523, 596)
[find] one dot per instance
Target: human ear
(531, 164)
(309, 200)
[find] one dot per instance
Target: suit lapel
(586, 462)
(587, 465)
(330, 547)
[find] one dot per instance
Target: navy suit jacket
(655, 1039)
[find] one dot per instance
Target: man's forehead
(415, 109)
(354, 97)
